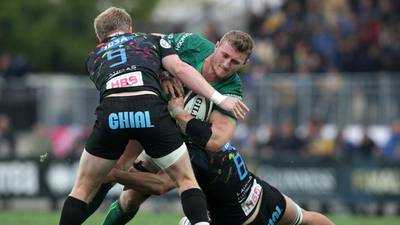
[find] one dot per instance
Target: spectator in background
(342, 147)
(367, 149)
(315, 144)
(211, 32)
(7, 137)
(34, 143)
(391, 150)
(5, 63)
(265, 135)
(286, 143)
(11, 68)
(329, 88)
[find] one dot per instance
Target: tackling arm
(188, 75)
(223, 128)
(144, 182)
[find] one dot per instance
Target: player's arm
(189, 76)
(195, 81)
(222, 128)
(212, 136)
(144, 182)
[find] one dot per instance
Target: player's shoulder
(236, 79)
(232, 82)
(146, 37)
(187, 40)
(182, 36)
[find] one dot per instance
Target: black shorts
(144, 118)
(273, 205)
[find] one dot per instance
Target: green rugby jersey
(194, 49)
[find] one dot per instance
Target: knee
(187, 184)
(128, 203)
(82, 192)
(186, 181)
(311, 218)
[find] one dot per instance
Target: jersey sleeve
(88, 63)
(188, 44)
(164, 46)
(180, 40)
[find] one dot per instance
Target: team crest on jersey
(164, 43)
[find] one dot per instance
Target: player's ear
(217, 44)
(99, 37)
(130, 30)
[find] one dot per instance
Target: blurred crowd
(312, 36)
(317, 140)
(58, 142)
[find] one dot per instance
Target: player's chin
(223, 73)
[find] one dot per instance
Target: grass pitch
(51, 218)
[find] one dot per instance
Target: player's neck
(116, 34)
(207, 71)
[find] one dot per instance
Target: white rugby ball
(198, 106)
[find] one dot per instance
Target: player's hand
(173, 87)
(175, 105)
(132, 169)
(234, 106)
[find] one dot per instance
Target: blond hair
(240, 40)
(112, 20)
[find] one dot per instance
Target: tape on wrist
(217, 97)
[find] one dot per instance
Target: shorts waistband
(132, 93)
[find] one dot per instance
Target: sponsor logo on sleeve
(164, 43)
(181, 41)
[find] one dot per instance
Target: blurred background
(323, 86)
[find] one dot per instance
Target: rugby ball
(198, 106)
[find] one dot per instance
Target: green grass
(365, 220)
(50, 218)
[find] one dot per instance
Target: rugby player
(126, 68)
